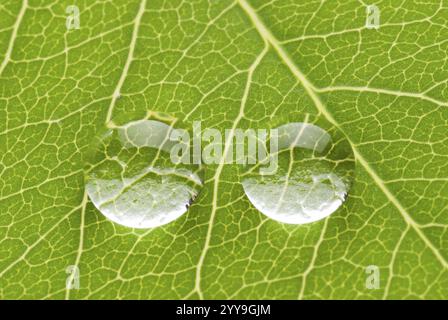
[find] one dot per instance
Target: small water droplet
(314, 174)
(131, 179)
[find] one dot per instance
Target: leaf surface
(230, 64)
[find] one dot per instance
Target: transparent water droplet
(131, 179)
(314, 174)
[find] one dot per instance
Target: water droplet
(131, 179)
(314, 174)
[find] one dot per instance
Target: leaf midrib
(13, 36)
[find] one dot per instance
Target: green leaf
(245, 64)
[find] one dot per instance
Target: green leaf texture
(245, 64)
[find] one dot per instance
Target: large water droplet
(131, 179)
(314, 174)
